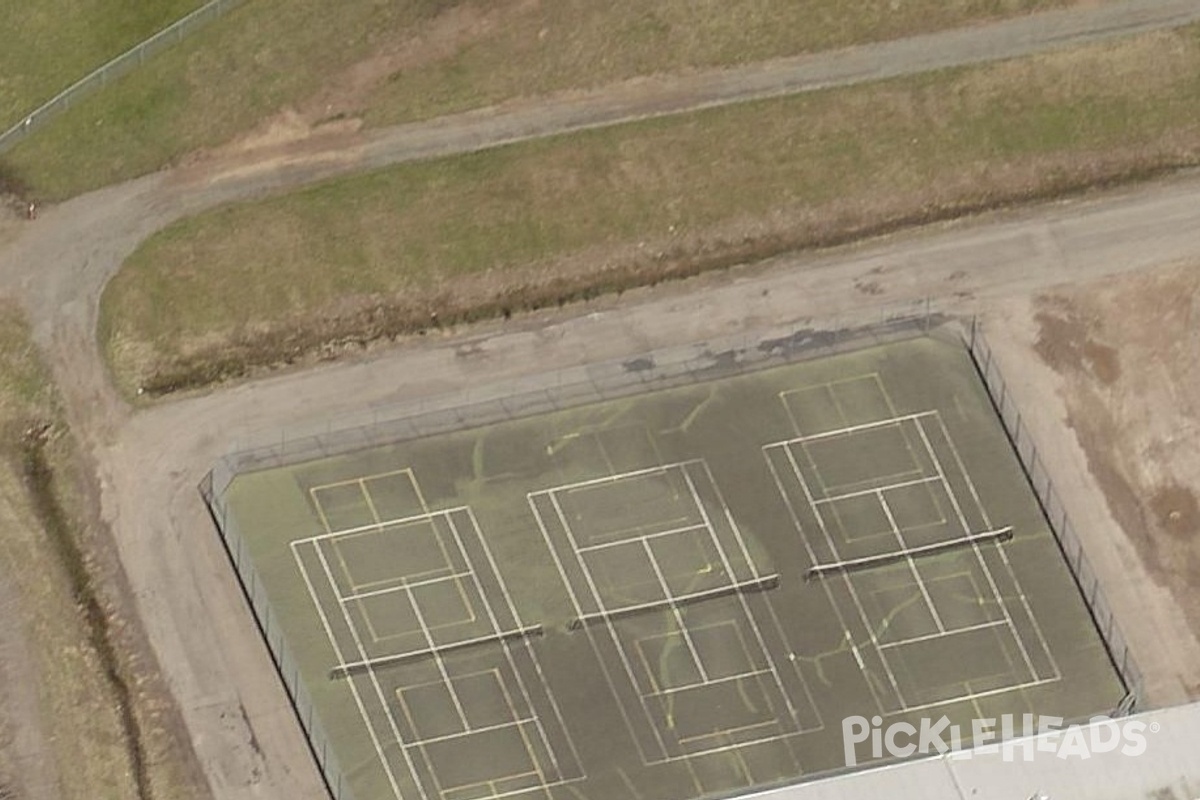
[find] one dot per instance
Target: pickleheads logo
(1040, 735)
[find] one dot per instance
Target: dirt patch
(337, 107)
(1127, 350)
(1067, 342)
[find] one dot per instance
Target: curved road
(149, 462)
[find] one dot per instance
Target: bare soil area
(1105, 373)
(1128, 352)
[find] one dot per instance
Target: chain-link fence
(114, 69)
(660, 369)
(1056, 515)
(285, 664)
(603, 381)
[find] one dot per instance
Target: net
(883, 559)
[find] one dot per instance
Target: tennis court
(677, 594)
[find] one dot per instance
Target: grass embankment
(50, 44)
(92, 714)
(419, 58)
(554, 220)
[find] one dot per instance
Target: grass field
(59, 607)
(50, 44)
(423, 57)
(616, 599)
(547, 221)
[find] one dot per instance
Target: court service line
(570, 589)
(991, 579)
(387, 523)
(362, 712)
(620, 648)
(857, 428)
(362, 653)
(912, 563)
(845, 576)
(640, 538)
(888, 488)
(637, 473)
(967, 629)
(710, 682)
(414, 585)
(812, 557)
(458, 540)
(604, 667)
(732, 575)
(1003, 555)
(515, 613)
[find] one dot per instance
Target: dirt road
(149, 462)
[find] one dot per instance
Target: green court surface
(677, 594)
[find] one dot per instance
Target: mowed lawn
(420, 58)
(556, 219)
(47, 45)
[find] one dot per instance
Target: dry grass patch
(409, 59)
(93, 695)
(50, 44)
(552, 220)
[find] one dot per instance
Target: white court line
(678, 615)
(748, 558)
(1016, 687)
(812, 557)
(387, 523)
(862, 614)
(624, 657)
(471, 732)
(1003, 555)
(951, 632)
(566, 581)
(387, 767)
(941, 477)
(732, 576)
(710, 682)
(377, 476)
(730, 732)
(856, 428)
(888, 488)
(640, 538)
(912, 564)
(501, 636)
(637, 473)
(362, 653)
(496, 626)
(402, 587)
(978, 553)
(508, 654)
(674, 601)
(405, 747)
